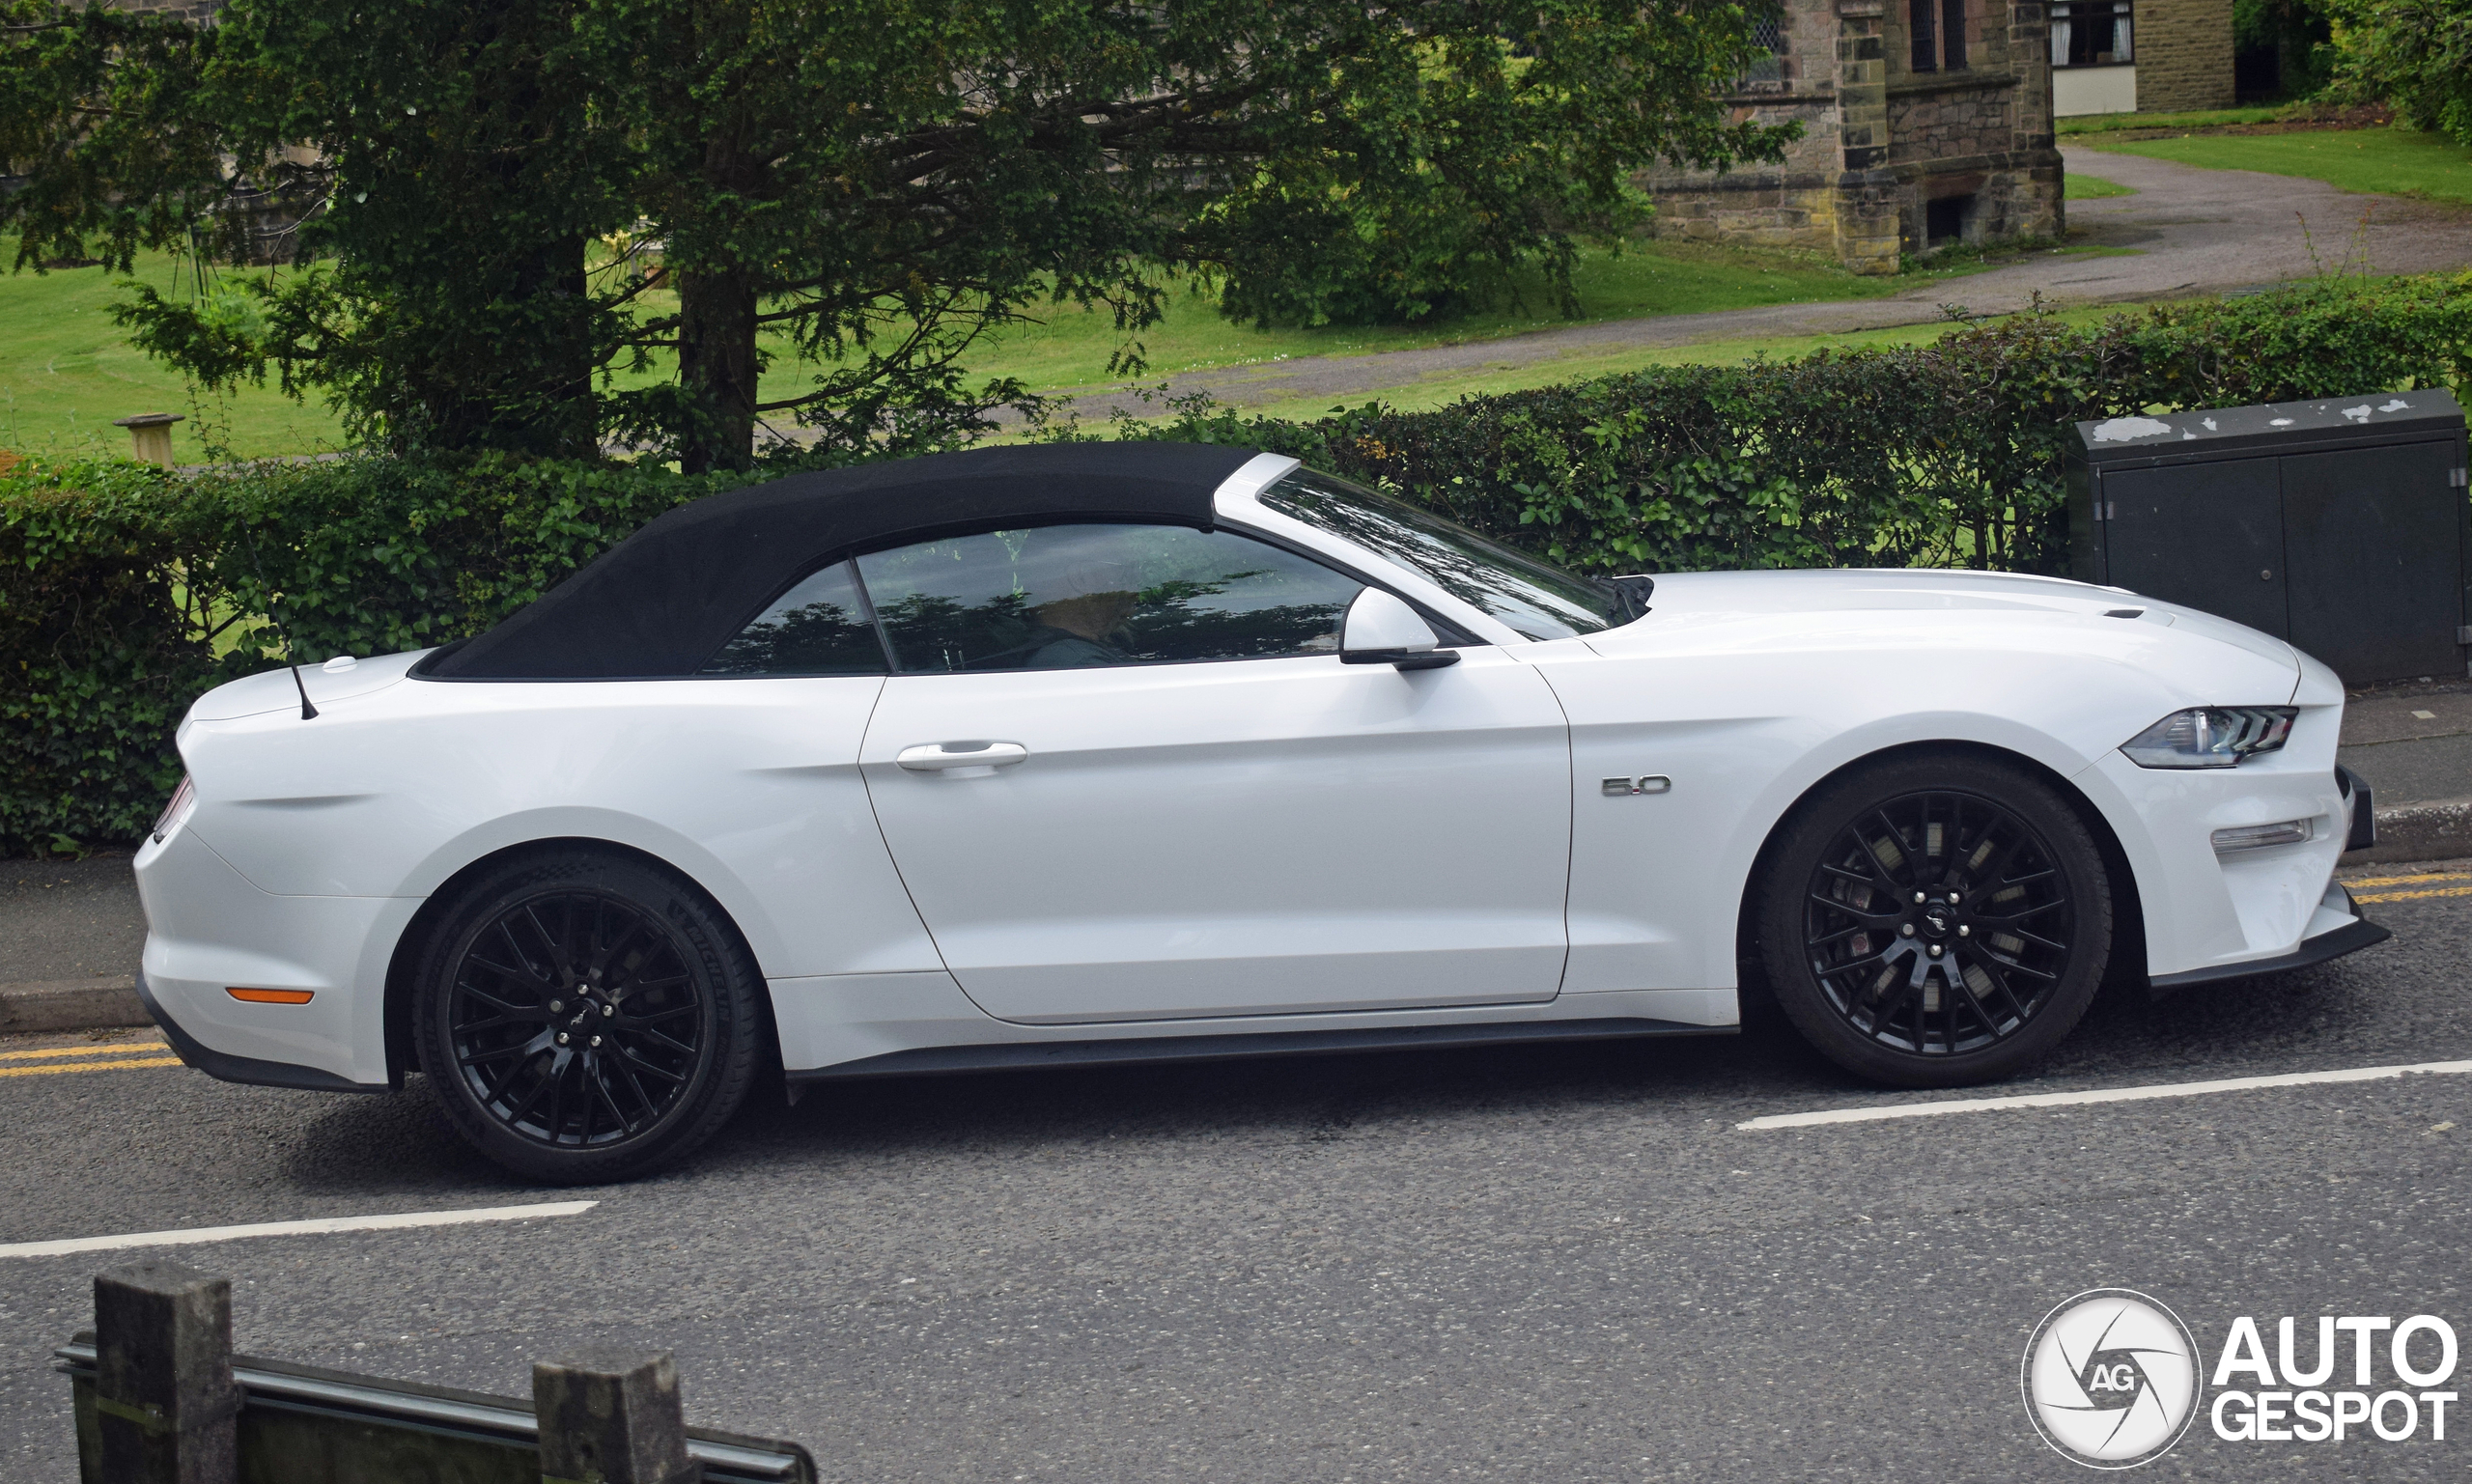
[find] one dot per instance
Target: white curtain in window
(2060, 44)
(2121, 51)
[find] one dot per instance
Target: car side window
(1065, 596)
(817, 628)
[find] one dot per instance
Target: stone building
(1925, 122)
(2139, 56)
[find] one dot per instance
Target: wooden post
(152, 433)
(610, 1416)
(165, 1404)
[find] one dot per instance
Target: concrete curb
(2441, 830)
(105, 1003)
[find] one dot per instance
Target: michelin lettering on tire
(2111, 1379)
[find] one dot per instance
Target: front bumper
(2363, 830)
(2224, 914)
(2332, 943)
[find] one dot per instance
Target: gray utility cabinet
(2341, 527)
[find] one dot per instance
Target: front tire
(1935, 921)
(586, 1017)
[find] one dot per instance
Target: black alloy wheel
(575, 1020)
(587, 1017)
(1931, 922)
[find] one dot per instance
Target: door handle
(962, 759)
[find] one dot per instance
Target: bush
(2415, 55)
(1946, 454)
(126, 591)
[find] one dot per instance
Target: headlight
(2211, 736)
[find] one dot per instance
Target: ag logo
(2111, 1379)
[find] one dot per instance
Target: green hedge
(1946, 454)
(125, 591)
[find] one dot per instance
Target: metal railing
(161, 1399)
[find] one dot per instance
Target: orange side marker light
(273, 997)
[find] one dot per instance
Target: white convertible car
(1100, 753)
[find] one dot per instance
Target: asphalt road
(1547, 1263)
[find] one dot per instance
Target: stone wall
(1791, 205)
(1883, 141)
(2183, 55)
(1951, 121)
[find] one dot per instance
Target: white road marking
(314, 1227)
(2099, 1095)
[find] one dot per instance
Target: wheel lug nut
(1905, 929)
(609, 1010)
(1935, 950)
(562, 1038)
(1921, 897)
(557, 1005)
(1963, 931)
(596, 1040)
(1955, 897)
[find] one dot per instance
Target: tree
(2413, 54)
(870, 190)
(444, 201)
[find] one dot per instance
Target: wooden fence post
(610, 1416)
(166, 1406)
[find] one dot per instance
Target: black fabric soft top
(665, 599)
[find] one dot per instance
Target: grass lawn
(1648, 278)
(2087, 188)
(1441, 391)
(66, 372)
(2391, 162)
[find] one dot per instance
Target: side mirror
(1381, 629)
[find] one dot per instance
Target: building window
(1938, 31)
(1944, 220)
(2090, 33)
(1768, 37)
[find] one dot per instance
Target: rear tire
(586, 1016)
(1935, 920)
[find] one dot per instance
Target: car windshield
(1533, 597)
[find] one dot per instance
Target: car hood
(271, 691)
(1713, 596)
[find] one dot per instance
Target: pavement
(2412, 744)
(72, 931)
(1544, 1264)
(2187, 232)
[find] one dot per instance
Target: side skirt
(931, 1060)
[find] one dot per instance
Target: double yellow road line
(52, 1061)
(2411, 888)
